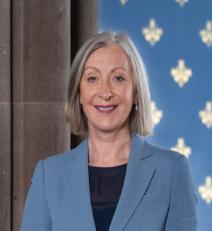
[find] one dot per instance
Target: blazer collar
(139, 149)
(137, 179)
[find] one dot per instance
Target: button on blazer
(157, 195)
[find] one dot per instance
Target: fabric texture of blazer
(157, 195)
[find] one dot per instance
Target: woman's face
(107, 89)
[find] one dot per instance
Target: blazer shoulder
(163, 151)
(165, 157)
(59, 163)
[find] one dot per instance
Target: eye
(92, 79)
(119, 78)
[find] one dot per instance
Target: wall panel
(41, 61)
(5, 117)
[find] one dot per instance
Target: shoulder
(61, 162)
(166, 160)
(163, 153)
(170, 166)
(160, 157)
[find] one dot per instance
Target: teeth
(105, 108)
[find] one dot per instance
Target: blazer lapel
(137, 179)
(77, 181)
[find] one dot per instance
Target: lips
(106, 108)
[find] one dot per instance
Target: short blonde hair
(140, 120)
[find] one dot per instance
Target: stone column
(5, 117)
(36, 47)
(41, 63)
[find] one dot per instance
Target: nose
(106, 91)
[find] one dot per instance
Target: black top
(105, 188)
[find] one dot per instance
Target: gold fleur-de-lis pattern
(181, 2)
(152, 33)
(206, 114)
(123, 2)
(181, 147)
(156, 113)
(205, 190)
(176, 45)
(206, 34)
(181, 74)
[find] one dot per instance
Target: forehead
(112, 54)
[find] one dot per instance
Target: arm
(36, 216)
(182, 213)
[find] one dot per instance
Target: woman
(114, 180)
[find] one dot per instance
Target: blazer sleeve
(182, 214)
(36, 216)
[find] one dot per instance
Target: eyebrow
(90, 67)
(97, 70)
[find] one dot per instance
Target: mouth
(106, 108)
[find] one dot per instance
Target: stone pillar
(36, 47)
(5, 117)
(41, 63)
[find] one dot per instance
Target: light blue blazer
(157, 195)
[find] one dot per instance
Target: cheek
(84, 93)
(128, 94)
(86, 96)
(83, 98)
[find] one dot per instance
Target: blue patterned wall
(174, 38)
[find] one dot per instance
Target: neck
(109, 149)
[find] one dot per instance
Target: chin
(108, 127)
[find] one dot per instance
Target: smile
(106, 109)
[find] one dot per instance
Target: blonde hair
(140, 120)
